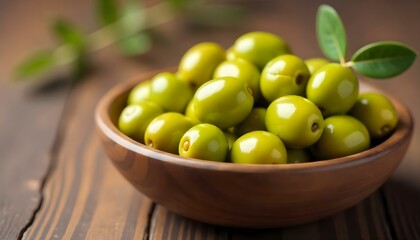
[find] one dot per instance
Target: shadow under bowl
(257, 196)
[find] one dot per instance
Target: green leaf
(36, 64)
(107, 11)
(383, 59)
(74, 47)
(331, 33)
(136, 44)
(69, 34)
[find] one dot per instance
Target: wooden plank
(402, 201)
(364, 221)
(167, 225)
(26, 139)
(29, 113)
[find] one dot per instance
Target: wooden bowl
(257, 196)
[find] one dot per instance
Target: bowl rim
(402, 133)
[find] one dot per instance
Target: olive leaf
(331, 33)
(107, 11)
(75, 41)
(36, 64)
(383, 59)
(69, 34)
(136, 44)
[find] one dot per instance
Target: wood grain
(364, 221)
(22, 168)
(23, 165)
(29, 112)
(402, 201)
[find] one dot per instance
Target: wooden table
(56, 182)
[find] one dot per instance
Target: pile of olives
(256, 102)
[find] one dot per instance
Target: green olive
(166, 130)
(231, 138)
(333, 88)
(314, 64)
(169, 92)
(230, 54)
(141, 92)
(377, 113)
(135, 118)
(284, 75)
(204, 141)
(343, 135)
(198, 63)
(297, 156)
(190, 112)
(295, 120)
(223, 102)
(243, 70)
(259, 147)
(253, 122)
(259, 47)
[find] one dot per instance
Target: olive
(230, 54)
(223, 102)
(259, 147)
(259, 47)
(141, 92)
(198, 63)
(253, 122)
(190, 112)
(284, 75)
(343, 135)
(376, 112)
(295, 120)
(333, 88)
(204, 141)
(135, 118)
(297, 156)
(231, 138)
(169, 92)
(314, 64)
(243, 70)
(166, 130)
